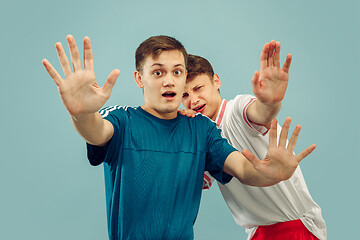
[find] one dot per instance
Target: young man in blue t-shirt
(148, 150)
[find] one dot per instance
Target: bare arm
(94, 129)
(270, 86)
(279, 163)
(80, 93)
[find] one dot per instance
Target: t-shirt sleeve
(241, 103)
(99, 154)
(218, 150)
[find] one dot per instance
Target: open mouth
(169, 94)
(200, 108)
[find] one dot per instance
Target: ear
(138, 79)
(217, 81)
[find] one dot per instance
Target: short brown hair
(154, 46)
(198, 65)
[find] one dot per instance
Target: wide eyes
(177, 72)
(160, 73)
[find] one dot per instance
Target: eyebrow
(192, 88)
(160, 65)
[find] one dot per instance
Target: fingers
(190, 113)
(88, 55)
(187, 112)
(287, 63)
(74, 52)
(52, 72)
(284, 133)
(181, 111)
(293, 138)
(65, 65)
(273, 134)
(110, 82)
(264, 56)
(277, 55)
(271, 53)
(75, 56)
(305, 152)
(270, 56)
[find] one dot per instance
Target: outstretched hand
(270, 85)
(79, 90)
(280, 161)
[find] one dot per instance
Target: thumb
(287, 63)
(255, 80)
(251, 157)
(111, 80)
(305, 152)
(255, 77)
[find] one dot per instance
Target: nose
(194, 99)
(168, 82)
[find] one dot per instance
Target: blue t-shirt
(154, 172)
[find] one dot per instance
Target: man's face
(202, 95)
(163, 81)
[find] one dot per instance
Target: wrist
(268, 105)
(82, 117)
(263, 113)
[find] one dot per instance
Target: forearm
(262, 113)
(93, 128)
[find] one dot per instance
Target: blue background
(48, 189)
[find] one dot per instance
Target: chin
(169, 109)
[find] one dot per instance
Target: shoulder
(117, 114)
(200, 123)
(239, 104)
(110, 110)
(242, 100)
(204, 119)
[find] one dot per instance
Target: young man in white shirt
(285, 210)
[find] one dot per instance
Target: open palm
(280, 161)
(79, 90)
(270, 85)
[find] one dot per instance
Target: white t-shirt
(254, 206)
